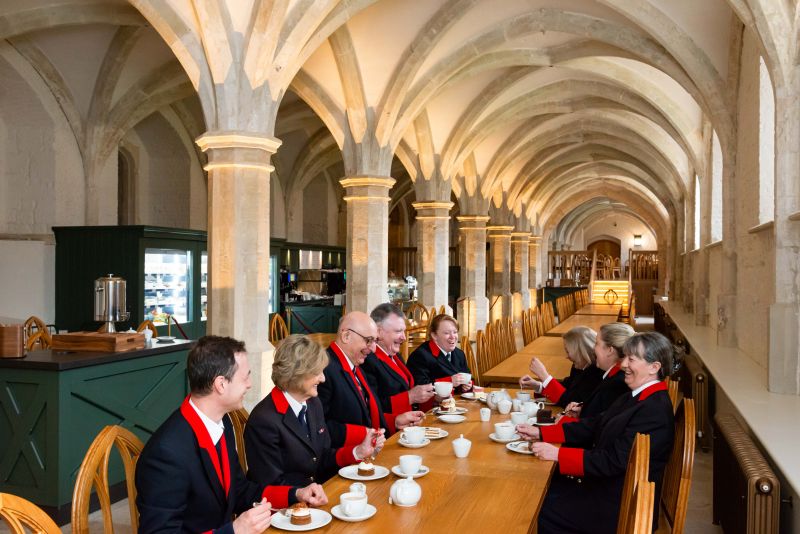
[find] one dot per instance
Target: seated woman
(584, 376)
(608, 354)
(594, 457)
(286, 440)
(438, 359)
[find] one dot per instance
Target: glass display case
(167, 283)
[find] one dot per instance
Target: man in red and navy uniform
(188, 477)
(594, 457)
(396, 388)
(349, 400)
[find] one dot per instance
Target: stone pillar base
(473, 314)
(784, 340)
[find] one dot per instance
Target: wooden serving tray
(98, 342)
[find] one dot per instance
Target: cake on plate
(366, 469)
(300, 514)
(448, 405)
(544, 416)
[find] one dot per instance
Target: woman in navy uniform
(286, 439)
(585, 495)
(438, 359)
(584, 375)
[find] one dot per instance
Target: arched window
(716, 189)
(697, 204)
(766, 146)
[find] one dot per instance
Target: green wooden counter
(313, 316)
(53, 404)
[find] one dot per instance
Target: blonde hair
(579, 342)
(615, 335)
(296, 359)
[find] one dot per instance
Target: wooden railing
(569, 264)
(643, 264)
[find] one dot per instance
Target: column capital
(432, 209)
(472, 222)
(500, 231)
(367, 188)
(520, 237)
(228, 149)
(535, 239)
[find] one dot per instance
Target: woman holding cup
(438, 359)
(286, 439)
(584, 376)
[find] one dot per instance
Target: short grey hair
(385, 310)
(652, 347)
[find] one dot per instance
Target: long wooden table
(459, 494)
(592, 321)
(600, 309)
(548, 349)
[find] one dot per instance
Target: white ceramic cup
(353, 504)
(461, 447)
(504, 430)
(443, 389)
(358, 487)
(540, 405)
(530, 408)
(504, 406)
(523, 396)
(466, 377)
(516, 405)
(486, 414)
(519, 418)
(410, 464)
(413, 435)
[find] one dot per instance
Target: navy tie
(447, 355)
(303, 421)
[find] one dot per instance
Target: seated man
(188, 478)
(350, 403)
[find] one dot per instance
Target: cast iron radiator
(694, 384)
(747, 494)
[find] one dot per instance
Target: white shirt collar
(347, 358)
(440, 347)
(215, 429)
(294, 404)
(643, 387)
(607, 371)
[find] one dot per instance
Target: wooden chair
(22, 516)
(511, 337)
(482, 356)
(472, 361)
(442, 310)
(672, 390)
(616, 269)
(678, 472)
(147, 324)
(277, 329)
(93, 473)
(642, 520)
(36, 334)
(239, 419)
(549, 318)
(635, 476)
(418, 314)
(38, 341)
(323, 339)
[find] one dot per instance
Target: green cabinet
(165, 270)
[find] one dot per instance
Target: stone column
(238, 245)
(520, 265)
(433, 252)
(500, 286)
(367, 199)
(473, 306)
(533, 258)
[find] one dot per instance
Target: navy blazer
(604, 395)
(602, 460)
(279, 452)
(178, 488)
(577, 387)
(392, 387)
(428, 365)
(347, 416)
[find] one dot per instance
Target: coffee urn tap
(109, 301)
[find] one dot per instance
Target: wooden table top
(592, 321)
(550, 350)
(600, 309)
(458, 493)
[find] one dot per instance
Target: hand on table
(545, 451)
(528, 432)
(255, 520)
(420, 394)
(537, 367)
(312, 495)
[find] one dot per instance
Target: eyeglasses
(367, 340)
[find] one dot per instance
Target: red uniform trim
(344, 456)
(444, 379)
(614, 370)
(279, 400)
(374, 414)
(552, 433)
(400, 403)
(649, 390)
(570, 461)
(567, 419)
(354, 434)
(204, 440)
(554, 390)
(390, 417)
(277, 496)
(396, 364)
(435, 350)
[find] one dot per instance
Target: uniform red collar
(435, 350)
(279, 399)
(614, 370)
(653, 388)
(204, 441)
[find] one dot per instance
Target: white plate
(495, 437)
(532, 421)
(368, 512)
(319, 518)
(442, 432)
(351, 472)
(423, 470)
(452, 418)
(404, 443)
(520, 447)
(456, 411)
(468, 396)
(166, 339)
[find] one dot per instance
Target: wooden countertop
(459, 494)
(548, 349)
(48, 360)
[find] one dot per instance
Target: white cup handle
(540, 405)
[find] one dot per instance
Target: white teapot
(405, 492)
(496, 396)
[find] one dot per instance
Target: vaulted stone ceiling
(552, 104)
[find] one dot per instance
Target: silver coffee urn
(109, 301)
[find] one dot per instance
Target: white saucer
(423, 470)
(404, 443)
(494, 437)
(448, 418)
(319, 518)
(351, 472)
(442, 432)
(520, 447)
(456, 411)
(468, 395)
(166, 339)
(368, 512)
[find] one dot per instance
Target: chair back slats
(418, 314)
(672, 391)
(678, 472)
(635, 476)
(22, 516)
(36, 335)
(277, 329)
(239, 419)
(643, 498)
(472, 361)
(147, 324)
(93, 473)
(482, 355)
